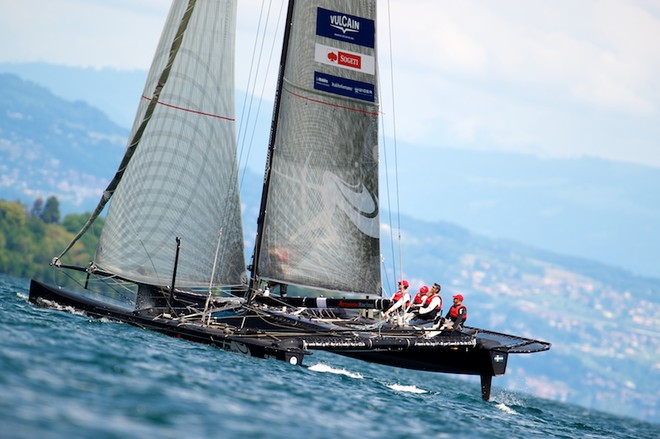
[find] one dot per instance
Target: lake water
(64, 375)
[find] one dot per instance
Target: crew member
(432, 304)
(401, 299)
(457, 313)
(420, 297)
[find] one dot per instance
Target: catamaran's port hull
(43, 294)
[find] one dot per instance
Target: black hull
(256, 347)
(462, 361)
(262, 335)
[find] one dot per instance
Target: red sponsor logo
(346, 59)
(343, 304)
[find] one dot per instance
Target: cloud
(547, 78)
(552, 79)
(85, 33)
(597, 53)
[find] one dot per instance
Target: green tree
(51, 211)
(28, 244)
(37, 208)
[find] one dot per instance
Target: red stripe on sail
(370, 113)
(191, 111)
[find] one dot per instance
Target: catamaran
(172, 240)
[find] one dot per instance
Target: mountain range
(603, 319)
(601, 210)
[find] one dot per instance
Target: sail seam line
(370, 113)
(217, 116)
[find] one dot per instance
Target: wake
(324, 368)
(406, 389)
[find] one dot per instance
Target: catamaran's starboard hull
(458, 360)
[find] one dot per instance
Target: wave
(408, 389)
(324, 368)
(506, 409)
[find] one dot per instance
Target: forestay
(182, 180)
(321, 222)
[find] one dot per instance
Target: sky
(553, 79)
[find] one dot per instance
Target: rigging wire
(396, 172)
(221, 251)
(124, 295)
(249, 79)
(263, 86)
(396, 162)
(250, 91)
(245, 119)
(251, 88)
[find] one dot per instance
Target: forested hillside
(31, 237)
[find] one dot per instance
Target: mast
(254, 267)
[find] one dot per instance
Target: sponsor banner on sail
(345, 27)
(344, 87)
(345, 59)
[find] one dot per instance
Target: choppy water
(65, 375)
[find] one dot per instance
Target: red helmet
(459, 297)
(404, 283)
(424, 289)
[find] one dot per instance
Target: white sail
(321, 221)
(182, 180)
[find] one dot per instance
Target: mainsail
(182, 180)
(320, 227)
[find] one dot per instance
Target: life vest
(453, 312)
(428, 300)
(419, 298)
(398, 295)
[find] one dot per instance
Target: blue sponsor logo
(344, 27)
(344, 87)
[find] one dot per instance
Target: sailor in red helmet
(457, 314)
(430, 306)
(400, 300)
(420, 297)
